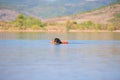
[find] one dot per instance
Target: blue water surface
(78, 60)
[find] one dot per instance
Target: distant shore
(58, 31)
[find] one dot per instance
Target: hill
(105, 18)
(7, 15)
(52, 8)
(102, 15)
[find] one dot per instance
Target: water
(88, 56)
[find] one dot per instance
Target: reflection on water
(66, 36)
(29, 56)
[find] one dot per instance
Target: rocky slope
(7, 15)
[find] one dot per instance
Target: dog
(57, 41)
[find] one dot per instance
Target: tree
(24, 22)
(20, 21)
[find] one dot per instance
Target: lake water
(88, 56)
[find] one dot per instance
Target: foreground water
(88, 56)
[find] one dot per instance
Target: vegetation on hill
(116, 21)
(22, 23)
(107, 18)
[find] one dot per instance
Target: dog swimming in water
(57, 41)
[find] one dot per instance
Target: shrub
(35, 27)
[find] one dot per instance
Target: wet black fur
(57, 41)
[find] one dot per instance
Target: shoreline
(58, 31)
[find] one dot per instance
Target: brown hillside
(7, 15)
(99, 16)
